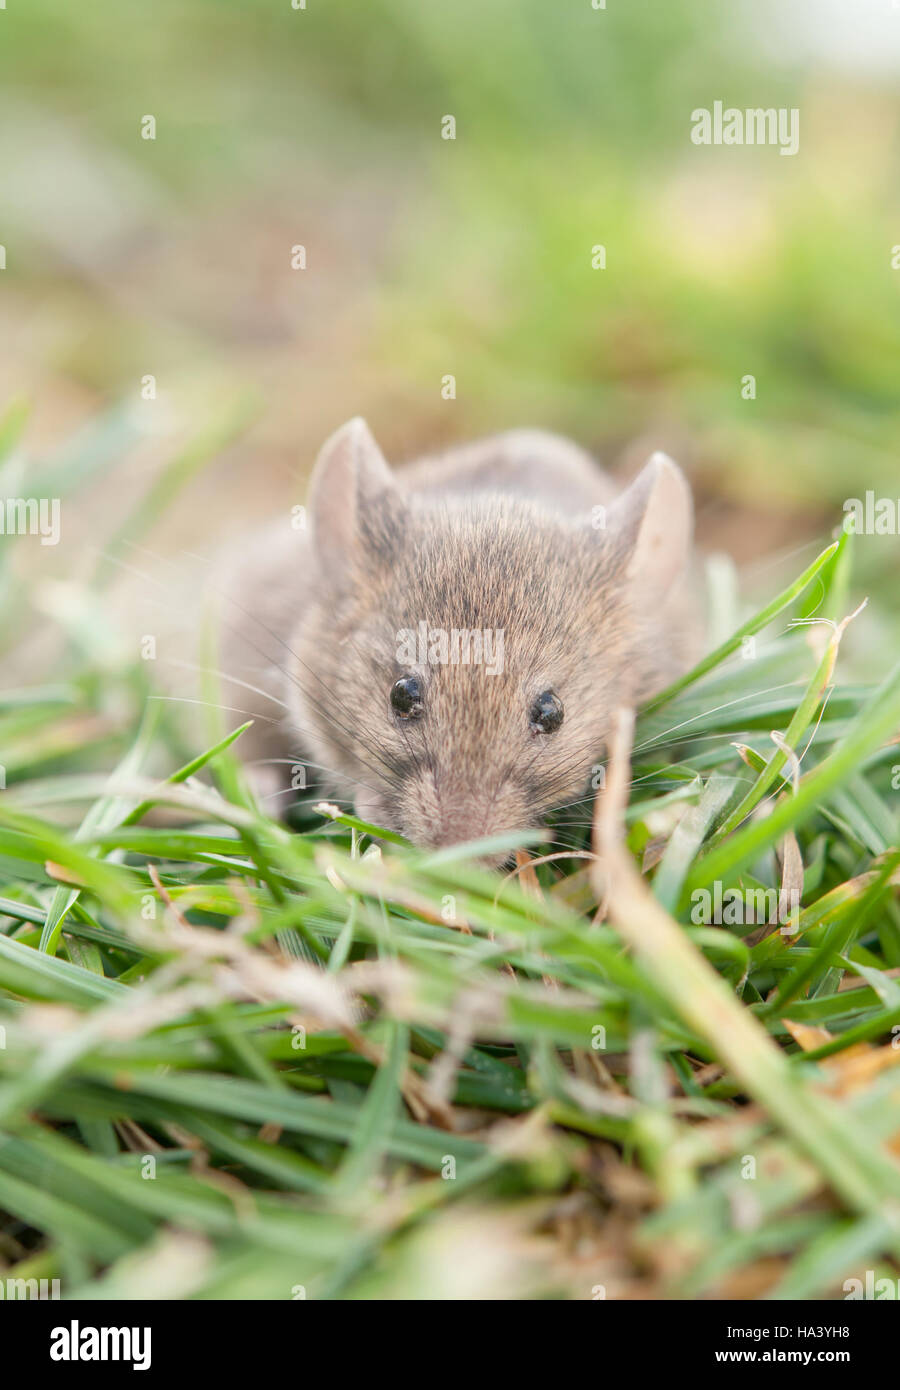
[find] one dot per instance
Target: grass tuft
(238, 1060)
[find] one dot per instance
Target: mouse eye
(546, 713)
(407, 697)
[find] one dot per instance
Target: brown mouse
(444, 645)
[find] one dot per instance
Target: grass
(245, 1061)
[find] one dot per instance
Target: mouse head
(462, 657)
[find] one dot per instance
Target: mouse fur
(522, 535)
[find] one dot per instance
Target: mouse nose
(443, 811)
(456, 830)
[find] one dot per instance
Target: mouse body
(443, 645)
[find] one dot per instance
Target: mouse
(443, 644)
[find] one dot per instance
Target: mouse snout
(441, 809)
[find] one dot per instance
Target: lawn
(245, 1059)
(253, 1058)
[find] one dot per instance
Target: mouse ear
(653, 522)
(354, 501)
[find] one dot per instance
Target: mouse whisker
(210, 704)
(655, 740)
(224, 675)
(325, 714)
(301, 761)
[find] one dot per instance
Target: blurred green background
(427, 257)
